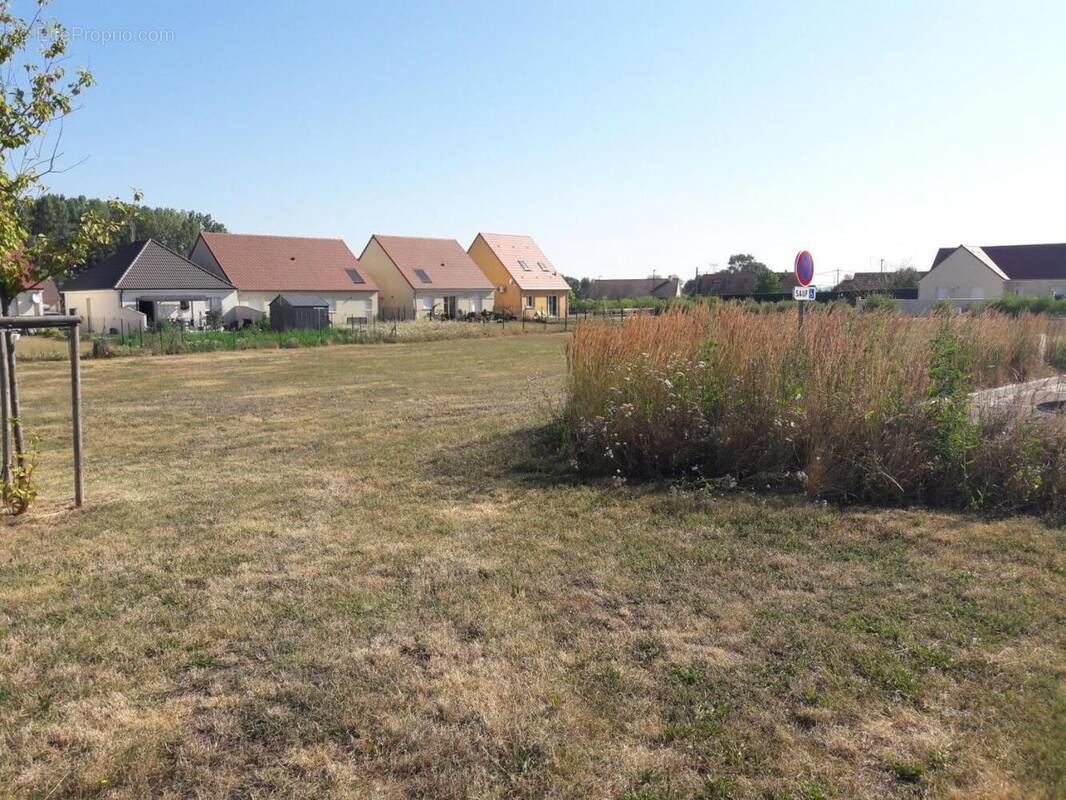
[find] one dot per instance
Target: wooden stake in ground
(5, 412)
(10, 395)
(13, 398)
(75, 411)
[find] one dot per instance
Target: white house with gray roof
(968, 273)
(145, 283)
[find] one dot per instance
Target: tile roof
(49, 292)
(443, 261)
(1018, 262)
(286, 263)
(511, 249)
(726, 283)
(145, 264)
(788, 280)
(631, 288)
(871, 282)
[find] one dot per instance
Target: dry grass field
(355, 572)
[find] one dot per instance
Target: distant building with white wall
(967, 273)
(145, 283)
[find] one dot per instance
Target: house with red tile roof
(526, 282)
(863, 283)
(36, 299)
(420, 277)
(727, 283)
(262, 267)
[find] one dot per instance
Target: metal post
(802, 308)
(5, 412)
(75, 407)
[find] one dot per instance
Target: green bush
(880, 302)
(19, 493)
(102, 348)
(1014, 305)
(1056, 352)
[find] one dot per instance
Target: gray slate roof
(301, 300)
(146, 264)
(1022, 262)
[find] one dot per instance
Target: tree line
(766, 280)
(59, 219)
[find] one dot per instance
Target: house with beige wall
(967, 273)
(262, 267)
(420, 277)
(526, 282)
(36, 299)
(142, 284)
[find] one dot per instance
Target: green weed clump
(1056, 353)
(872, 407)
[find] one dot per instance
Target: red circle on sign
(804, 268)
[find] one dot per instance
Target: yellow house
(421, 277)
(527, 283)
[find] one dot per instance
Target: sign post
(804, 275)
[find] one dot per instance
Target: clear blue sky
(623, 136)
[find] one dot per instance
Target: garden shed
(290, 312)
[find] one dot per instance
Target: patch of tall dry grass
(869, 407)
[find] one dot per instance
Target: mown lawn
(355, 572)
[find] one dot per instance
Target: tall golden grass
(853, 406)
